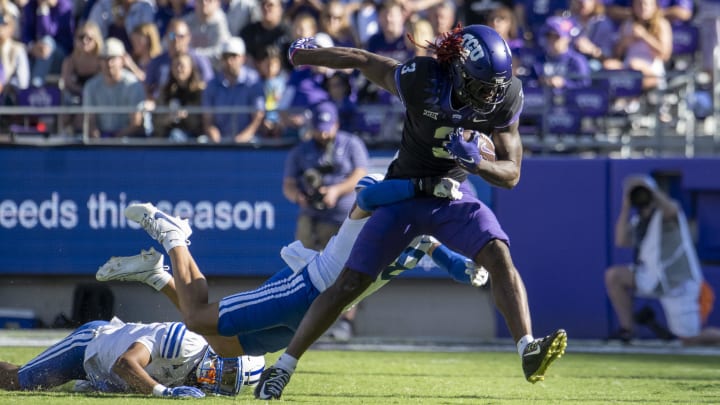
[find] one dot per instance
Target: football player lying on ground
(162, 359)
(264, 320)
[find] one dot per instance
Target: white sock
(173, 239)
(287, 363)
(523, 342)
(158, 280)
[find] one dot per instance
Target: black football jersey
(425, 88)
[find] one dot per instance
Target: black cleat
(540, 353)
(272, 383)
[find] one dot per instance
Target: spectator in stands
(677, 12)
(236, 85)
(305, 87)
(177, 41)
(47, 30)
(443, 16)
(146, 45)
(560, 66)
(666, 265)
(171, 9)
(118, 18)
(274, 78)
(293, 8)
(270, 30)
(364, 21)
(208, 29)
(115, 87)
(390, 41)
(304, 25)
(334, 21)
(420, 35)
(503, 20)
(13, 59)
(339, 87)
(644, 43)
(532, 15)
(184, 89)
(596, 33)
(77, 68)
(241, 13)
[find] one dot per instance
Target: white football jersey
(174, 352)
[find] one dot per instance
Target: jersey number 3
(407, 68)
(438, 151)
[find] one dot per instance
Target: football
(485, 144)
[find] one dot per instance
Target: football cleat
(157, 223)
(272, 383)
(540, 353)
(146, 267)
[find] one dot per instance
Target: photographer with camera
(666, 266)
(320, 176)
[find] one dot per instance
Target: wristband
(158, 390)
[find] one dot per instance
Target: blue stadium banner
(61, 209)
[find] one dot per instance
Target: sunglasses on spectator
(83, 37)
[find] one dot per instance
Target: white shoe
(147, 267)
(159, 225)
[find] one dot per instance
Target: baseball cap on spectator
(324, 116)
(562, 26)
(113, 47)
(233, 46)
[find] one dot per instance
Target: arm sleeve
(385, 192)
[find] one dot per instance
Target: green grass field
(339, 377)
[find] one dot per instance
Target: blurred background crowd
(216, 71)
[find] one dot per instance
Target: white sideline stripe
(43, 339)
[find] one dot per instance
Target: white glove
(448, 188)
(478, 275)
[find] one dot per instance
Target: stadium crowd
(187, 55)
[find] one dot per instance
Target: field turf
(366, 377)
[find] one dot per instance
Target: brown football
(486, 145)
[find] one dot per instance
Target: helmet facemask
(218, 375)
(483, 96)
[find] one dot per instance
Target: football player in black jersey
(468, 84)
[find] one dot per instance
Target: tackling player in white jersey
(264, 320)
(163, 359)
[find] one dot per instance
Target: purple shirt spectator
(247, 91)
(304, 88)
(39, 20)
(158, 70)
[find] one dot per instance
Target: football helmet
(482, 74)
(218, 375)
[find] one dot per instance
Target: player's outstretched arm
(378, 69)
(394, 190)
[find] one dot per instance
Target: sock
(158, 280)
(452, 262)
(173, 239)
(523, 342)
(287, 363)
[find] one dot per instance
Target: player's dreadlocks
(447, 46)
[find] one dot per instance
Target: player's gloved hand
(301, 43)
(442, 187)
(478, 275)
(182, 392)
(465, 153)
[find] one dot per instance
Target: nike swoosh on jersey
(465, 160)
(479, 120)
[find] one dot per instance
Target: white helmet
(227, 375)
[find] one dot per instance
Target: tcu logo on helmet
(473, 47)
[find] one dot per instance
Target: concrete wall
(405, 308)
